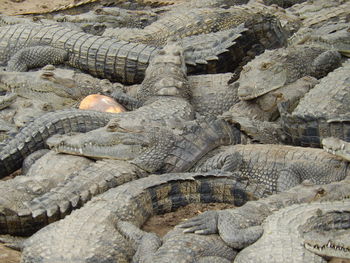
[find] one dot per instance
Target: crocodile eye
(177, 53)
(265, 65)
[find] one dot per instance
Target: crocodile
(135, 136)
(187, 22)
(264, 107)
(241, 227)
(116, 60)
(337, 147)
(212, 94)
(162, 89)
(58, 87)
(97, 239)
(276, 68)
(287, 234)
(314, 14)
(136, 155)
(32, 137)
(97, 20)
(279, 167)
(7, 100)
(322, 113)
(329, 241)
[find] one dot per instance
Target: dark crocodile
(93, 228)
(241, 227)
(33, 136)
(279, 167)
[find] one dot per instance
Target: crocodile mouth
(108, 145)
(337, 147)
(330, 249)
(118, 152)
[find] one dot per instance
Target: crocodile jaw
(329, 249)
(337, 147)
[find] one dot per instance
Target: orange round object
(99, 102)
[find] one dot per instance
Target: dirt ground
(17, 7)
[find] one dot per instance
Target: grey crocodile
(290, 233)
(337, 147)
(58, 87)
(212, 94)
(162, 89)
(134, 136)
(241, 227)
(165, 153)
(97, 239)
(32, 137)
(184, 22)
(264, 107)
(322, 113)
(109, 58)
(279, 167)
(276, 68)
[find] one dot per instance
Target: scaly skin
(97, 239)
(287, 233)
(47, 173)
(167, 153)
(275, 69)
(33, 136)
(109, 58)
(241, 227)
(264, 107)
(58, 87)
(322, 113)
(186, 22)
(185, 145)
(212, 94)
(7, 100)
(279, 167)
(337, 147)
(131, 136)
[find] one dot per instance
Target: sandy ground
(16, 7)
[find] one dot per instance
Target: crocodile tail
(32, 137)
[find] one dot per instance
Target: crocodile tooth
(80, 150)
(343, 146)
(329, 244)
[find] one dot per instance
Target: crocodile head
(261, 75)
(328, 234)
(101, 143)
(51, 81)
(337, 147)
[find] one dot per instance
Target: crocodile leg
(93, 230)
(34, 57)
